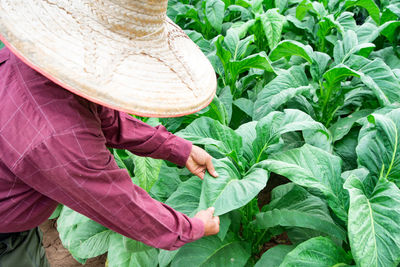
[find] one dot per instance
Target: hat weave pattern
(124, 54)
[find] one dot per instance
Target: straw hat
(124, 54)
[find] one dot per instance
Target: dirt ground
(57, 255)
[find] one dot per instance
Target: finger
(199, 173)
(216, 219)
(210, 167)
(211, 210)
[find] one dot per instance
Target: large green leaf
(83, 237)
(211, 251)
(274, 99)
(369, 5)
(378, 148)
(230, 191)
(125, 252)
(274, 256)
(237, 47)
(168, 181)
(165, 257)
(272, 23)
(298, 208)
(245, 104)
(257, 61)
(374, 221)
(337, 74)
(344, 125)
(207, 131)
(346, 149)
(290, 48)
(283, 87)
(379, 78)
(349, 46)
(214, 11)
(186, 198)
(146, 172)
(270, 128)
(248, 133)
(312, 167)
(317, 252)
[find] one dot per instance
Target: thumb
(211, 210)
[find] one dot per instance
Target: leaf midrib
(215, 252)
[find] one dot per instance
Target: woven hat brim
(164, 75)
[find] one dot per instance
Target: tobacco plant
(307, 90)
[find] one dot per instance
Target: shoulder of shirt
(40, 109)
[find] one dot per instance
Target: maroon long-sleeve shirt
(53, 150)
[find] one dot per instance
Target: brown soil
(264, 197)
(59, 256)
(281, 239)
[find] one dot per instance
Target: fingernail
(216, 174)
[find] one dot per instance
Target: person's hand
(211, 222)
(199, 161)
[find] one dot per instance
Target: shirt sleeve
(78, 171)
(125, 132)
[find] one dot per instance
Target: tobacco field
(308, 95)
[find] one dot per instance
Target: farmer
(70, 71)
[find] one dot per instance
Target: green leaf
(241, 28)
(270, 128)
(319, 65)
(367, 33)
(346, 149)
(83, 237)
(272, 23)
(146, 172)
(207, 131)
(125, 252)
(377, 76)
(274, 256)
(303, 8)
(290, 48)
(214, 11)
(257, 61)
(288, 81)
(257, 6)
(378, 148)
(298, 208)
(344, 125)
(388, 56)
(237, 47)
(56, 212)
(337, 74)
(389, 30)
(248, 133)
(369, 5)
(226, 98)
(246, 105)
(317, 252)
(125, 160)
(230, 191)
(275, 99)
(186, 198)
(168, 181)
(312, 167)
(211, 251)
(165, 257)
(373, 223)
(349, 46)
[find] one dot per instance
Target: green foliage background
(309, 90)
